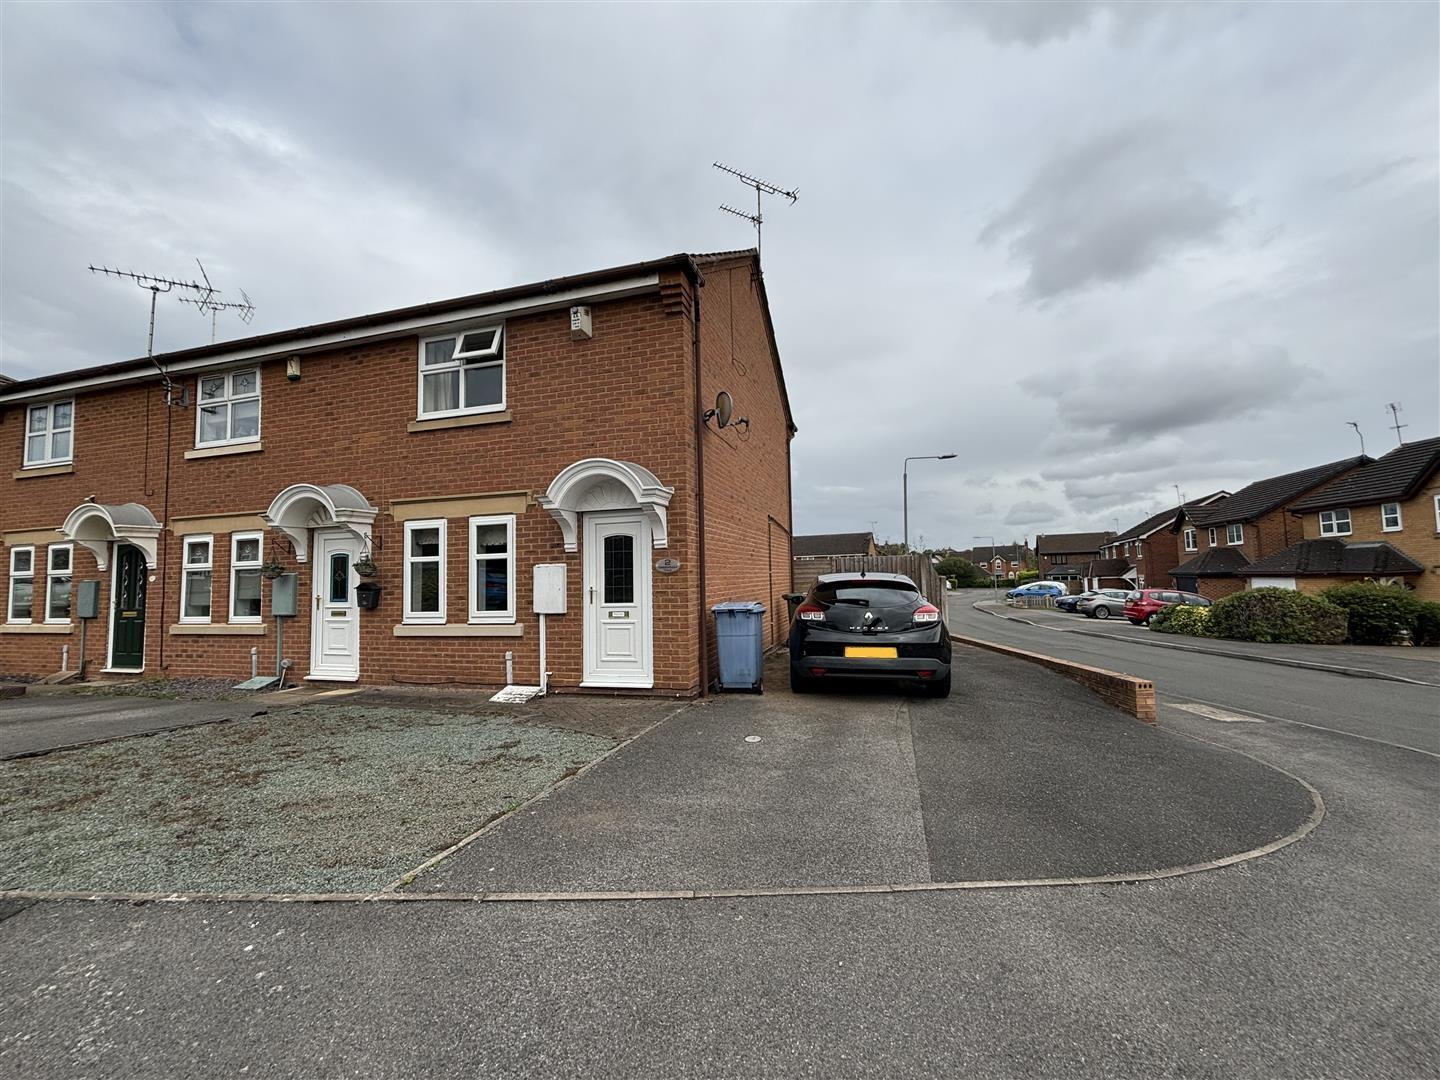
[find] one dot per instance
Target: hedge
(1378, 614)
(1188, 619)
(1278, 616)
(1427, 623)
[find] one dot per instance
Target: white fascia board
(617, 290)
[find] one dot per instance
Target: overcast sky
(1096, 251)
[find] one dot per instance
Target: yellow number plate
(873, 652)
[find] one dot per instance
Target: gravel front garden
(321, 798)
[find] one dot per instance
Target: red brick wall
(626, 394)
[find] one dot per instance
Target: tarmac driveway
(1019, 775)
(49, 721)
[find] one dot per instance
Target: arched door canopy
(605, 484)
(302, 507)
(98, 525)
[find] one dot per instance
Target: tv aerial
(245, 308)
(762, 187)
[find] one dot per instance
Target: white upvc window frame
(494, 356)
(1437, 513)
(1213, 535)
(1332, 527)
(425, 618)
(15, 576)
(187, 568)
(51, 574)
(477, 584)
(1191, 539)
(235, 567)
(1231, 531)
(48, 433)
(228, 401)
(1399, 525)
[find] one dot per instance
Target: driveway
(1020, 774)
(49, 720)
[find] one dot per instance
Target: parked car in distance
(1103, 603)
(1068, 603)
(1040, 588)
(1143, 603)
(868, 626)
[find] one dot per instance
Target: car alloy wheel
(1101, 612)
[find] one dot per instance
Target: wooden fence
(918, 568)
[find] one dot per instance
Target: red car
(1139, 606)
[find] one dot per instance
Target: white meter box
(550, 588)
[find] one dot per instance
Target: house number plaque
(667, 565)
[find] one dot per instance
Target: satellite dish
(724, 408)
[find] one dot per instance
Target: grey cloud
(1031, 513)
(1106, 211)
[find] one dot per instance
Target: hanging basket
(365, 567)
(272, 570)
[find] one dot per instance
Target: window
(48, 432)
(57, 583)
(22, 584)
(245, 577)
(195, 579)
(1213, 538)
(463, 373)
(1190, 539)
(338, 591)
(229, 409)
(1139, 550)
(1127, 548)
(1437, 513)
(1234, 534)
(492, 569)
(1390, 520)
(1334, 522)
(425, 571)
(618, 586)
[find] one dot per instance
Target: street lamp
(905, 488)
(994, 578)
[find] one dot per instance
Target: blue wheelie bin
(740, 634)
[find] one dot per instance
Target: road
(1406, 715)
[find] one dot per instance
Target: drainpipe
(164, 551)
(697, 413)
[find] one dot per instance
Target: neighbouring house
(1001, 560)
(1147, 550)
(1067, 556)
(1216, 541)
(457, 446)
(828, 545)
(1379, 522)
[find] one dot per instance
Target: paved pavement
(45, 721)
(1042, 780)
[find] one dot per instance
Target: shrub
(1277, 616)
(1377, 614)
(1427, 623)
(1186, 619)
(1160, 621)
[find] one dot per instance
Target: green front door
(127, 648)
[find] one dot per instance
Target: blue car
(1039, 588)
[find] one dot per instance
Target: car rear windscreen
(867, 593)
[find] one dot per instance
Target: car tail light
(810, 613)
(927, 613)
(819, 671)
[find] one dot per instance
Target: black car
(868, 626)
(1067, 603)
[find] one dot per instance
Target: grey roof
(1010, 552)
(1065, 570)
(1336, 557)
(1269, 494)
(1108, 568)
(831, 544)
(1216, 562)
(1165, 517)
(1398, 475)
(1072, 543)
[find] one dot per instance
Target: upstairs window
(463, 373)
(1234, 534)
(229, 408)
(1390, 520)
(1334, 522)
(57, 583)
(1213, 538)
(195, 580)
(49, 431)
(21, 605)
(1190, 540)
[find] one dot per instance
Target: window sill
(461, 630)
(44, 470)
(219, 629)
(445, 422)
(225, 451)
(37, 628)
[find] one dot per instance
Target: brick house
(455, 445)
(1002, 561)
(1380, 522)
(1148, 550)
(1067, 556)
(828, 545)
(1217, 541)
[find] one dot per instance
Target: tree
(961, 571)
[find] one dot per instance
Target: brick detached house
(829, 545)
(1145, 554)
(1379, 522)
(455, 445)
(1005, 560)
(1217, 541)
(1067, 556)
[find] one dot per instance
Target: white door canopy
(98, 525)
(302, 507)
(605, 484)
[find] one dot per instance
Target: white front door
(334, 617)
(617, 601)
